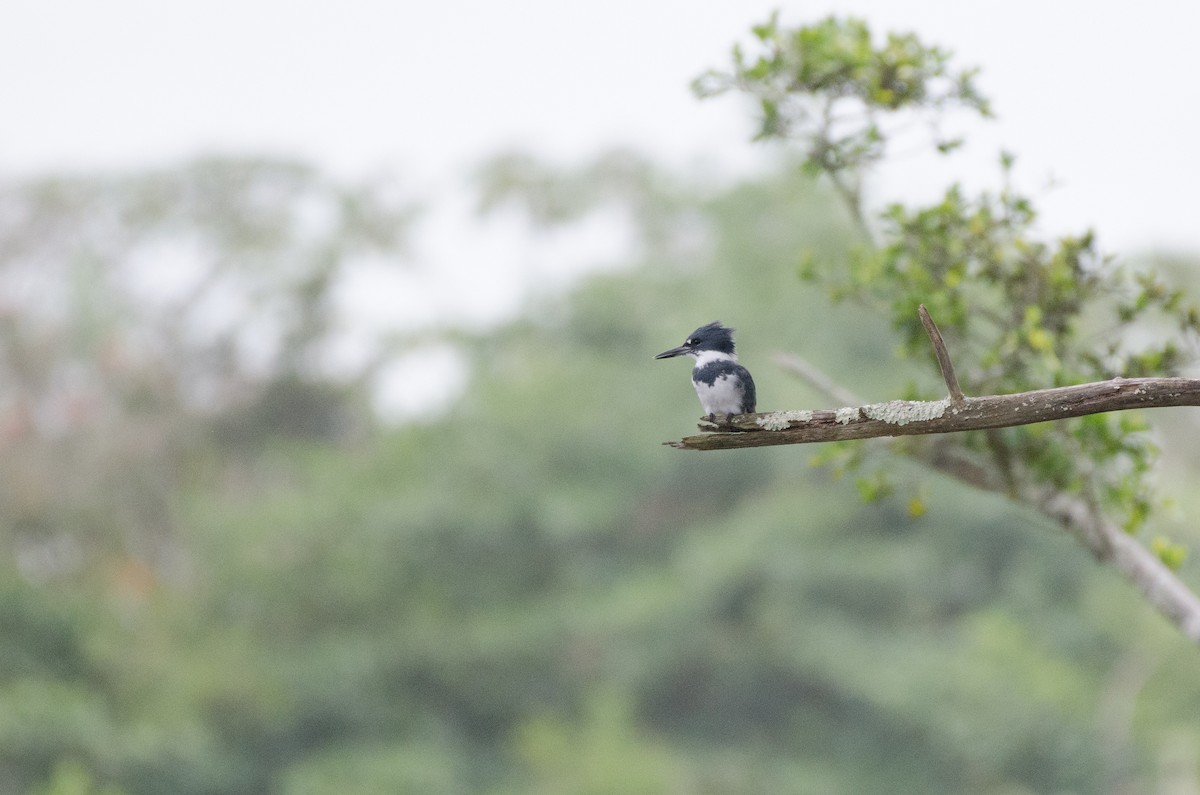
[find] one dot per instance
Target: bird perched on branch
(723, 385)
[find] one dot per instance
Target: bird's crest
(713, 336)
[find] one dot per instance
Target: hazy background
(330, 431)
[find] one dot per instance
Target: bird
(723, 385)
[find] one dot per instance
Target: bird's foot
(719, 419)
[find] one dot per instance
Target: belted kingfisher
(723, 385)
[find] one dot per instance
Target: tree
(157, 329)
(143, 315)
(1022, 313)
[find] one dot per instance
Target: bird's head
(713, 337)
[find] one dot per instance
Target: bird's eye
(689, 342)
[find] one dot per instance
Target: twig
(943, 356)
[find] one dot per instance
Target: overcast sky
(1101, 97)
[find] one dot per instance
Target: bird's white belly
(723, 397)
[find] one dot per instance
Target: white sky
(1103, 97)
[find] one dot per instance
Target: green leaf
(1170, 553)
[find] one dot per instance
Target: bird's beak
(680, 351)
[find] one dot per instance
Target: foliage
(827, 86)
(517, 599)
(145, 315)
(529, 593)
(1018, 313)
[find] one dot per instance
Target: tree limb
(913, 417)
(1111, 544)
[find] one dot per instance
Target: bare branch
(800, 368)
(1105, 540)
(914, 417)
(943, 356)
(1161, 586)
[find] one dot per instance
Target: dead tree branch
(913, 417)
(943, 356)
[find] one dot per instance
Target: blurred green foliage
(529, 593)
